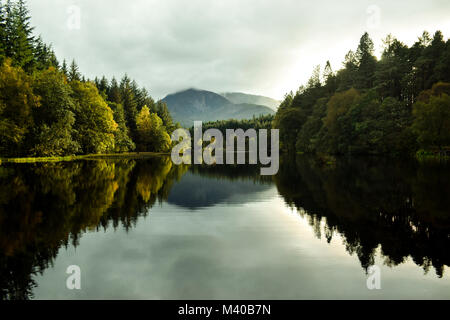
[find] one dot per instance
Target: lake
(147, 229)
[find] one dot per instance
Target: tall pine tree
(130, 105)
(74, 73)
(20, 39)
(2, 31)
(367, 63)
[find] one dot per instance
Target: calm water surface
(146, 229)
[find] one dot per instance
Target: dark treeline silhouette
(373, 202)
(50, 109)
(259, 122)
(44, 207)
(396, 105)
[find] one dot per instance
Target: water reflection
(206, 186)
(400, 207)
(46, 206)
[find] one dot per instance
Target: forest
(396, 105)
(49, 109)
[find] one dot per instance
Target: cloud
(263, 47)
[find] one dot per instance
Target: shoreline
(133, 155)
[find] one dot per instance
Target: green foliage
(19, 35)
(366, 107)
(94, 119)
(432, 120)
(2, 31)
(366, 62)
(164, 114)
(152, 133)
(48, 110)
(123, 142)
(261, 122)
(74, 73)
(54, 120)
(130, 105)
(17, 103)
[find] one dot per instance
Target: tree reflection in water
(46, 206)
(401, 207)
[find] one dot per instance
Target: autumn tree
(152, 135)
(94, 119)
(17, 104)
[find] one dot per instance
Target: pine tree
(164, 114)
(314, 81)
(327, 72)
(129, 104)
(44, 55)
(20, 40)
(2, 31)
(366, 62)
(64, 68)
(329, 78)
(103, 86)
(74, 74)
(114, 92)
(123, 142)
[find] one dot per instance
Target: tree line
(257, 122)
(50, 109)
(398, 104)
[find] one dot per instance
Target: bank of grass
(131, 155)
(433, 155)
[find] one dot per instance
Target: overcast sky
(261, 47)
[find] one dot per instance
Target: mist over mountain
(201, 105)
(239, 97)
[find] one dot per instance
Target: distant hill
(192, 104)
(239, 97)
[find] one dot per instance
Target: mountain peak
(201, 105)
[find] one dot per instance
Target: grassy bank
(133, 155)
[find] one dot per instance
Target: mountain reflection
(207, 186)
(46, 206)
(400, 207)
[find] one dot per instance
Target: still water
(147, 229)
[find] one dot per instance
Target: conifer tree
(114, 92)
(64, 68)
(129, 104)
(74, 74)
(20, 40)
(2, 31)
(366, 62)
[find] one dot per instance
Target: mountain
(200, 105)
(239, 97)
